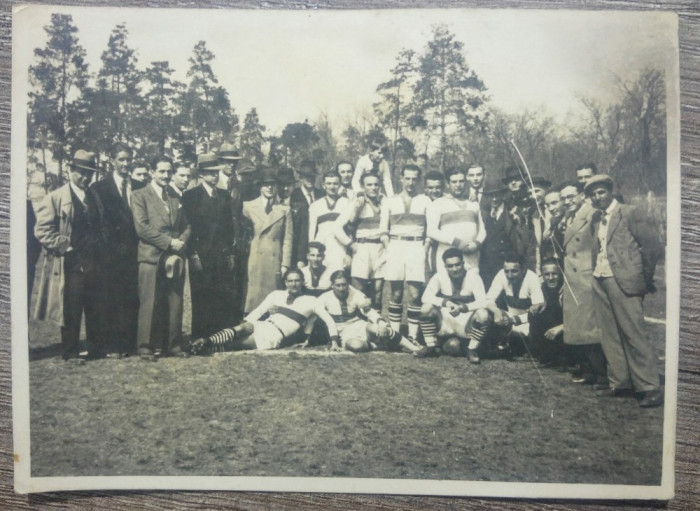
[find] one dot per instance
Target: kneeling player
(453, 306)
(288, 311)
(359, 326)
(520, 289)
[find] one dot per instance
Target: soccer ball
(357, 345)
(453, 347)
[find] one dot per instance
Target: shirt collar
(611, 207)
(80, 193)
(207, 188)
(157, 188)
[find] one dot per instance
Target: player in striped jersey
(317, 276)
(322, 216)
(366, 213)
(454, 305)
(455, 221)
(359, 326)
(523, 296)
(288, 311)
(407, 249)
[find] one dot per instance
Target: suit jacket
(211, 222)
(156, 224)
(54, 225)
(300, 222)
(270, 248)
(502, 236)
(298, 196)
(118, 226)
(632, 247)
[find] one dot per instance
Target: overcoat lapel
(614, 221)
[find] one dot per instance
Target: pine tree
(206, 116)
(158, 122)
(59, 73)
(252, 137)
(448, 95)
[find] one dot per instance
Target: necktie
(494, 213)
(316, 276)
(214, 193)
(604, 220)
(164, 195)
(124, 192)
(268, 207)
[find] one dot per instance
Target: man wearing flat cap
(68, 226)
(625, 253)
(163, 234)
(271, 244)
(211, 262)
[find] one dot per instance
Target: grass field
(309, 413)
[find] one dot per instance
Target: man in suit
(208, 211)
(163, 233)
(301, 199)
(624, 259)
(68, 227)
(271, 244)
(118, 262)
(503, 234)
(179, 180)
(475, 179)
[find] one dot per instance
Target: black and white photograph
(395, 251)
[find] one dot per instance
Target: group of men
(482, 266)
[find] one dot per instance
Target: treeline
(432, 108)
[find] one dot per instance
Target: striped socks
(477, 334)
(429, 329)
(413, 314)
(220, 339)
(395, 311)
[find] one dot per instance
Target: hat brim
(79, 166)
(215, 168)
(231, 158)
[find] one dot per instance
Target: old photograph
(409, 251)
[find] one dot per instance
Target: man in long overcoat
(208, 211)
(271, 245)
(581, 327)
(68, 227)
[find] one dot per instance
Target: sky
(297, 65)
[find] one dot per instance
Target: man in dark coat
(119, 300)
(208, 211)
(624, 258)
(503, 234)
(301, 198)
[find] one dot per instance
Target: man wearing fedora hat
(271, 243)
(229, 158)
(503, 233)
(211, 260)
(163, 233)
(118, 259)
(625, 253)
(68, 226)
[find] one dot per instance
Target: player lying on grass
(454, 307)
(288, 311)
(360, 328)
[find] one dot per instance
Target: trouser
(630, 356)
(80, 294)
(120, 308)
(160, 311)
(212, 301)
